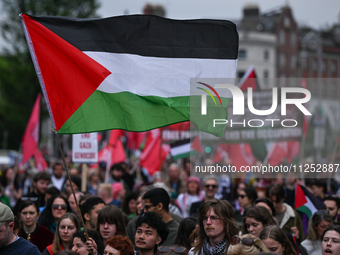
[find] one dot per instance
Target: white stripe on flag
(178, 150)
(154, 76)
(310, 205)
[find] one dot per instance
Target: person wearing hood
(192, 195)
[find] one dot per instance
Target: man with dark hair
(289, 220)
(217, 226)
(90, 210)
(319, 188)
(157, 200)
(41, 181)
(151, 231)
(9, 242)
(58, 177)
(332, 204)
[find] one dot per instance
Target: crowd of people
(172, 213)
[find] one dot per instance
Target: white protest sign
(85, 148)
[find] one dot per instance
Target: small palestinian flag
(184, 148)
(306, 202)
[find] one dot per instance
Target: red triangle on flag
(300, 198)
(196, 145)
(248, 80)
(78, 75)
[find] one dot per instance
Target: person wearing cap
(9, 242)
(193, 194)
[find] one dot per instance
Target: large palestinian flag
(127, 72)
(306, 202)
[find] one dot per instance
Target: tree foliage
(19, 84)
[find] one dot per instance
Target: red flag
(29, 141)
(293, 150)
(180, 126)
(114, 135)
(112, 154)
(135, 139)
(281, 150)
(277, 153)
(39, 160)
(153, 155)
(248, 80)
(240, 154)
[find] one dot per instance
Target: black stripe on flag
(148, 35)
(179, 143)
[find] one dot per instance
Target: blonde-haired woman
(245, 245)
(67, 225)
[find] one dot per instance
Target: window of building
(333, 67)
(265, 74)
(293, 39)
(293, 60)
(282, 59)
(242, 54)
(315, 64)
(266, 55)
(282, 37)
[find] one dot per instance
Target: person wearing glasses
(30, 229)
(216, 227)
(151, 231)
(276, 241)
(331, 241)
(210, 187)
(316, 226)
(157, 200)
(246, 245)
(56, 207)
(67, 225)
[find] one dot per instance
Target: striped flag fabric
(184, 148)
(127, 72)
(306, 202)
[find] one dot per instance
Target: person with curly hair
(246, 245)
(119, 245)
(151, 231)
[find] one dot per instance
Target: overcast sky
(315, 13)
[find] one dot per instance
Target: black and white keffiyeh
(219, 249)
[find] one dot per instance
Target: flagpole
(69, 179)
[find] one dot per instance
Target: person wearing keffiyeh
(216, 227)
